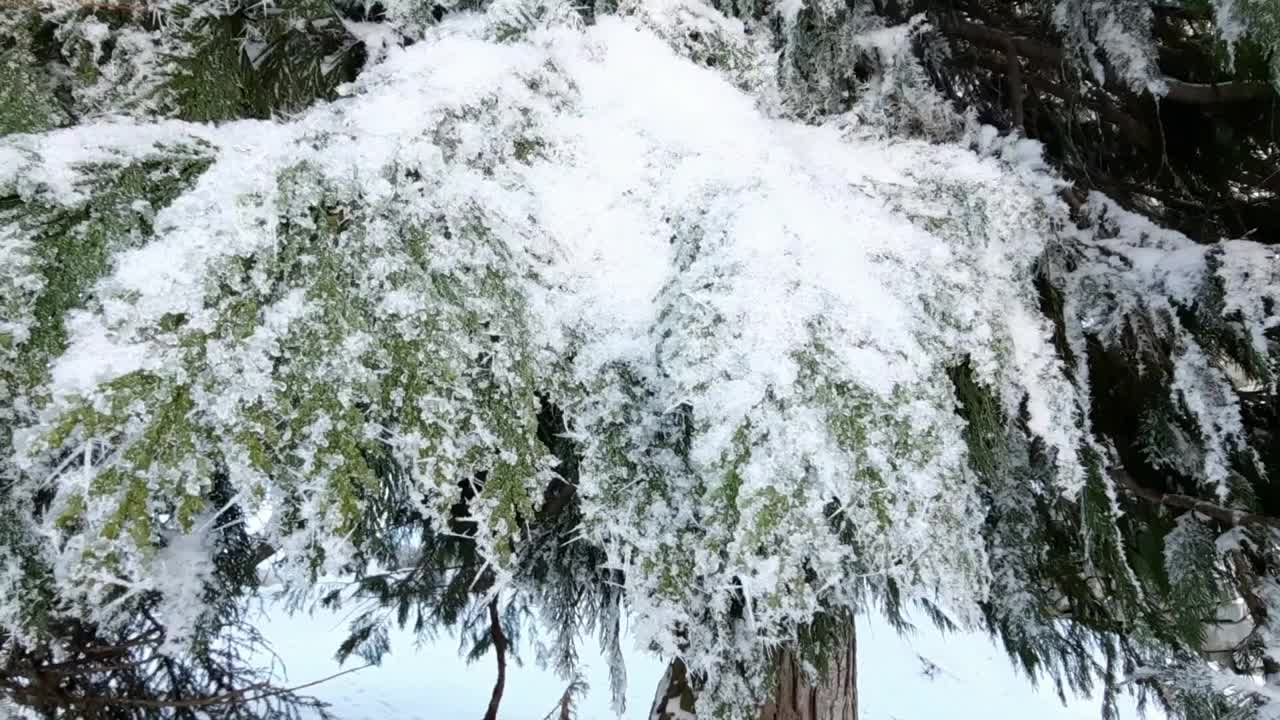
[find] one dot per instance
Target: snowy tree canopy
(623, 311)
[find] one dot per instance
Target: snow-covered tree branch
(739, 319)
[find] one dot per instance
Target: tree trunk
(834, 696)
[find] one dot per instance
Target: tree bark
(796, 696)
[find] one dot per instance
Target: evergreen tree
(742, 319)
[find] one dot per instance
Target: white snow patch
(95, 357)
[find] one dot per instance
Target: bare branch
(1227, 516)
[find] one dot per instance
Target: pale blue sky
(975, 680)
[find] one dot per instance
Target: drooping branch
(500, 649)
(564, 708)
(1225, 515)
(32, 686)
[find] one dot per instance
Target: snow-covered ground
(972, 679)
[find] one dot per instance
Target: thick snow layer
(779, 279)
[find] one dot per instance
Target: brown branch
(226, 698)
(304, 686)
(1215, 93)
(1227, 516)
(91, 654)
(1096, 101)
(500, 648)
(1002, 41)
(1178, 90)
(1016, 91)
(238, 696)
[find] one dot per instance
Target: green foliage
(1064, 593)
(1194, 581)
(260, 60)
(348, 375)
(515, 20)
(26, 99)
(714, 43)
(67, 248)
(194, 60)
(70, 245)
(1257, 30)
(209, 79)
